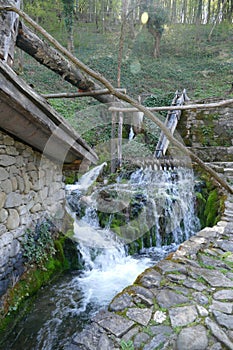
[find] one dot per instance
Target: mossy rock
(212, 208)
(19, 298)
(201, 204)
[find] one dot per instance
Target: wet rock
(88, 339)
(131, 333)
(168, 298)
(223, 319)
(225, 245)
(141, 316)
(170, 266)
(219, 333)
(213, 262)
(215, 278)
(149, 279)
(160, 335)
(142, 295)
(225, 294)
(227, 308)
(180, 289)
(192, 338)
(176, 278)
(121, 302)
(182, 316)
(140, 339)
(194, 285)
(155, 330)
(105, 343)
(116, 324)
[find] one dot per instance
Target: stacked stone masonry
(31, 188)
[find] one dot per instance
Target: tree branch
(121, 96)
(81, 94)
(175, 108)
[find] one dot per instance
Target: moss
(210, 201)
(212, 208)
(201, 203)
(71, 178)
(19, 298)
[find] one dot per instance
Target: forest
(151, 49)
(140, 44)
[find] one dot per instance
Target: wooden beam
(81, 94)
(174, 108)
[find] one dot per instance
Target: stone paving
(185, 302)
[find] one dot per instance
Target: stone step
(228, 171)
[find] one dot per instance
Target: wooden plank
(26, 115)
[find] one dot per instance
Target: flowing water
(62, 309)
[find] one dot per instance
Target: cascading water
(157, 205)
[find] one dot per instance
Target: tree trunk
(121, 41)
(157, 44)
(49, 57)
(8, 31)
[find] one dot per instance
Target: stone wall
(31, 188)
(209, 133)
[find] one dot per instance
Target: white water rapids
(63, 308)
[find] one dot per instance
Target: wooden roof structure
(26, 115)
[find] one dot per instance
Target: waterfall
(155, 212)
(154, 208)
(87, 179)
(131, 134)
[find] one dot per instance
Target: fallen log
(46, 55)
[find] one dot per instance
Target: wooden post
(119, 143)
(113, 143)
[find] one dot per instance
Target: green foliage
(158, 16)
(38, 245)
(127, 345)
(68, 7)
(212, 208)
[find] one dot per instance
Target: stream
(66, 306)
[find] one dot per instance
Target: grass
(188, 60)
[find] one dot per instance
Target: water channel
(63, 308)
